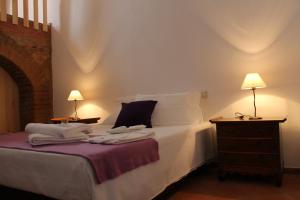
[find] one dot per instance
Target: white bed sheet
(181, 149)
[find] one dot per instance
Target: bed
(182, 148)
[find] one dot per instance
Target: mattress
(181, 149)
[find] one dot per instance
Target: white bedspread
(181, 149)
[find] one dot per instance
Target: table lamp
(252, 82)
(75, 96)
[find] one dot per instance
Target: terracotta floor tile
(206, 186)
(184, 196)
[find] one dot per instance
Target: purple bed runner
(107, 161)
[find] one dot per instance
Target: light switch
(204, 94)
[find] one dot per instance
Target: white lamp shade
(75, 95)
(252, 81)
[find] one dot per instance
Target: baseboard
(291, 170)
(287, 170)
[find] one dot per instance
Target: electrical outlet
(204, 94)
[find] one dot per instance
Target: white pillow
(111, 119)
(175, 109)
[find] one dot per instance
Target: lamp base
(255, 118)
(74, 118)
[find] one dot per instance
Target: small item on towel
(121, 129)
(37, 139)
(69, 130)
(137, 127)
(124, 129)
(122, 138)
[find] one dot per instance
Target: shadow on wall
(81, 42)
(290, 135)
(234, 21)
(82, 30)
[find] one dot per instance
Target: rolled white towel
(137, 127)
(37, 139)
(58, 130)
(83, 128)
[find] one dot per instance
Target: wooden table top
(230, 120)
(71, 119)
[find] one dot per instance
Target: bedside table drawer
(248, 145)
(250, 160)
(247, 130)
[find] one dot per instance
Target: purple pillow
(136, 113)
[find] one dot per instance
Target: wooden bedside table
(85, 121)
(249, 147)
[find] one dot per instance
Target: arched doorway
(15, 81)
(9, 104)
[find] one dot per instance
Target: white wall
(111, 48)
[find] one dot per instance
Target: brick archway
(25, 90)
(26, 55)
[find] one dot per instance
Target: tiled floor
(205, 186)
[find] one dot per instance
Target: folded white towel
(58, 130)
(122, 138)
(124, 129)
(37, 139)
